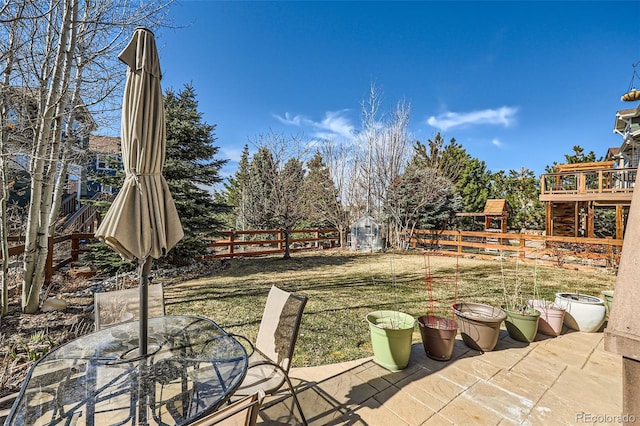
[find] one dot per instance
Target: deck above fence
(586, 185)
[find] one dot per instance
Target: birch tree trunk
(43, 166)
(54, 49)
(9, 56)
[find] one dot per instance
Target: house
(22, 120)
(577, 194)
(103, 157)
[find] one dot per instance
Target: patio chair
(270, 356)
(114, 307)
(242, 412)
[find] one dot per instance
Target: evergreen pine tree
(235, 192)
(191, 173)
(259, 190)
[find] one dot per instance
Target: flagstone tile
(477, 367)
(464, 411)
(404, 405)
(437, 420)
(551, 410)
(589, 391)
(434, 390)
(520, 384)
(501, 400)
(371, 412)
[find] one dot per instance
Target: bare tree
(64, 60)
(348, 204)
(8, 55)
(419, 197)
(384, 150)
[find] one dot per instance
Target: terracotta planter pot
(551, 317)
(391, 336)
(584, 313)
(438, 336)
(522, 326)
(479, 325)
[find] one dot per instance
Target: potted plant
(391, 337)
(437, 331)
(438, 336)
(584, 313)
(607, 296)
(391, 333)
(521, 319)
(551, 315)
(479, 324)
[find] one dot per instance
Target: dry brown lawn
(343, 287)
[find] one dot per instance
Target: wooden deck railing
(559, 251)
(53, 264)
(84, 219)
(602, 181)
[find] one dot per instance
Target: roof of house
(612, 153)
(623, 115)
(104, 144)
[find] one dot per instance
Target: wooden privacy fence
(559, 251)
(255, 243)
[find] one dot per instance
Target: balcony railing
(602, 181)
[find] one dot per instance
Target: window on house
(102, 162)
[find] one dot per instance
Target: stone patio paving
(569, 380)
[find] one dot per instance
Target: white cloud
(502, 116)
(334, 124)
(496, 142)
(297, 120)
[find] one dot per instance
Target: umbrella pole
(143, 384)
(145, 268)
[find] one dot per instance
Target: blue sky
(518, 84)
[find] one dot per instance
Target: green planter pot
(522, 326)
(391, 336)
(607, 295)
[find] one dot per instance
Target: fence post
(459, 242)
(318, 239)
(281, 237)
(232, 238)
(75, 246)
(522, 246)
(48, 267)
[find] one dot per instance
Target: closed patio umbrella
(142, 223)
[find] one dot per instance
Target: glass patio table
(192, 367)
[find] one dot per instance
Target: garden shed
(365, 235)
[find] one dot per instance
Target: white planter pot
(583, 312)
